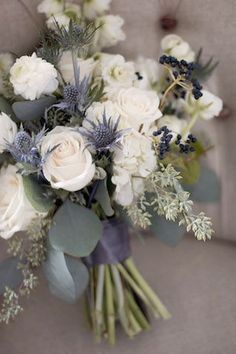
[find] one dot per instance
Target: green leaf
(67, 277)
(207, 188)
(102, 196)
(35, 193)
(167, 231)
(5, 107)
(32, 110)
(76, 230)
(191, 172)
(10, 276)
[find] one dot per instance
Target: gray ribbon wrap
(114, 246)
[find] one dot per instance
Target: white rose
(117, 72)
(137, 108)
(148, 70)
(8, 130)
(175, 124)
(50, 7)
(109, 32)
(207, 107)
(33, 77)
(16, 212)
(95, 112)
(70, 165)
(6, 62)
(86, 67)
(174, 45)
(93, 8)
(132, 164)
(62, 19)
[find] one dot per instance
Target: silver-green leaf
(102, 196)
(167, 231)
(76, 230)
(36, 195)
(32, 110)
(67, 277)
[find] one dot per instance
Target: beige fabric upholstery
(197, 282)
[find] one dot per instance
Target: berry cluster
(184, 70)
(165, 140)
(186, 147)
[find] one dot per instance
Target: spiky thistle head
(103, 135)
(24, 148)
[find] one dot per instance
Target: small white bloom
(109, 32)
(50, 7)
(33, 77)
(72, 10)
(148, 69)
(132, 164)
(94, 8)
(86, 67)
(70, 165)
(174, 45)
(137, 108)
(61, 18)
(175, 124)
(16, 212)
(8, 130)
(207, 107)
(118, 73)
(6, 62)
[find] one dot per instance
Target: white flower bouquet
(91, 145)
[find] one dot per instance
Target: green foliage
(36, 194)
(75, 230)
(32, 110)
(67, 277)
(204, 70)
(169, 200)
(10, 306)
(103, 197)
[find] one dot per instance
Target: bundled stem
(118, 292)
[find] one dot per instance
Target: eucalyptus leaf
(32, 110)
(102, 196)
(207, 188)
(5, 107)
(167, 231)
(36, 194)
(10, 276)
(76, 230)
(67, 277)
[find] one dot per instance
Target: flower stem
(75, 65)
(190, 125)
(137, 312)
(169, 88)
(99, 302)
(110, 306)
(147, 289)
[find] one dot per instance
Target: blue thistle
(24, 148)
(104, 135)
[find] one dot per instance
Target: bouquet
(92, 145)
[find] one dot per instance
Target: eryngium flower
(24, 148)
(104, 135)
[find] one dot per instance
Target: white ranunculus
(86, 67)
(61, 18)
(148, 69)
(174, 45)
(33, 77)
(94, 8)
(117, 72)
(16, 212)
(109, 32)
(175, 124)
(207, 107)
(132, 164)
(8, 130)
(50, 7)
(137, 108)
(6, 62)
(69, 165)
